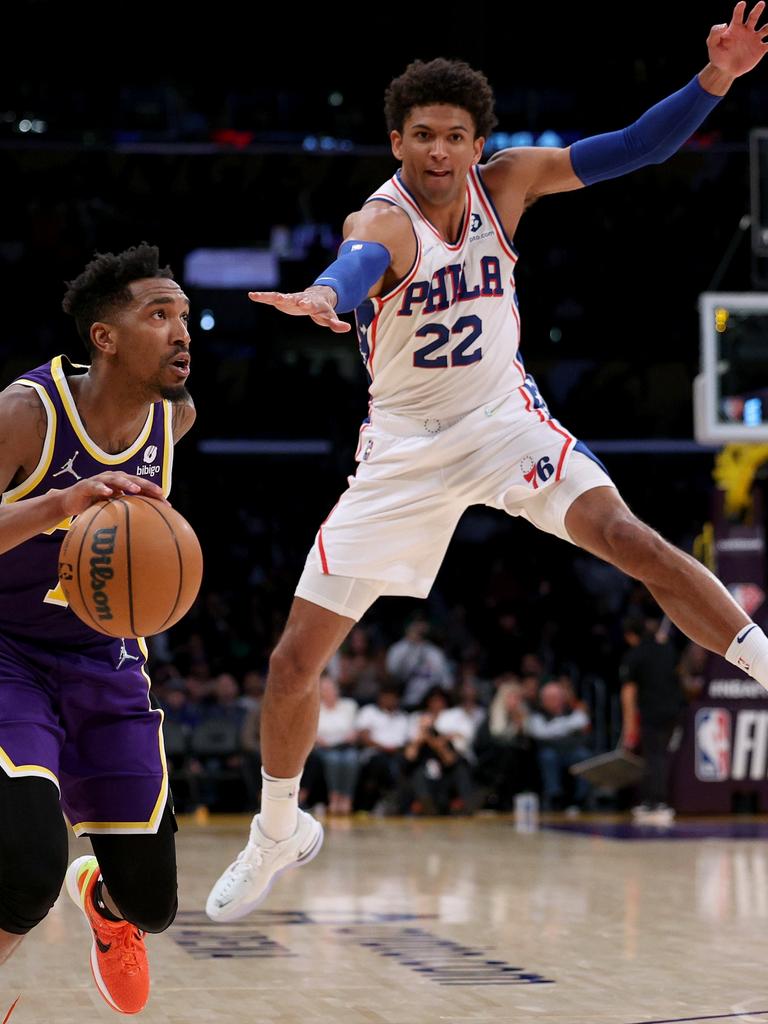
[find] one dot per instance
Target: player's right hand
(84, 493)
(316, 302)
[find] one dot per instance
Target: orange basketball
(130, 566)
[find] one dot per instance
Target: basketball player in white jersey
(428, 267)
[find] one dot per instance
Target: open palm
(737, 47)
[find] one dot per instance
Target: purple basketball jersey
(74, 704)
(32, 604)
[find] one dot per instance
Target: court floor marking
(716, 1016)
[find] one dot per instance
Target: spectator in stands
(218, 739)
(469, 672)
(250, 742)
(176, 705)
(382, 734)
(336, 745)
(252, 690)
(460, 723)
(356, 668)
(559, 730)
(505, 761)
(436, 771)
(651, 700)
(530, 684)
(693, 669)
(180, 718)
(418, 664)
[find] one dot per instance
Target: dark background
(188, 128)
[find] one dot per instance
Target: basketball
(130, 566)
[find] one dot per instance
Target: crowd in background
(430, 722)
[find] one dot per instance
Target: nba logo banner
(713, 744)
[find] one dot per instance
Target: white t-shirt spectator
(336, 723)
(461, 725)
(387, 728)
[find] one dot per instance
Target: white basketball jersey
(444, 341)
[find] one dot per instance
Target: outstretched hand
(315, 302)
(738, 47)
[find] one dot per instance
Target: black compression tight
(139, 870)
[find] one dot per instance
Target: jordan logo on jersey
(68, 467)
(125, 656)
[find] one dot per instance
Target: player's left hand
(738, 47)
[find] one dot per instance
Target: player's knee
(157, 918)
(148, 909)
(291, 668)
(30, 882)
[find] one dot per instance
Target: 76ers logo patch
(534, 471)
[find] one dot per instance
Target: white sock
(749, 652)
(279, 812)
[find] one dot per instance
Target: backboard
(730, 395)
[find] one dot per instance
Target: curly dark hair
(451, 82)
(103, 286)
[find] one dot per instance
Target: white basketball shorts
(389, 531)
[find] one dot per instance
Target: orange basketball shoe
(118, 957)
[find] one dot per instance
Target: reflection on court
(414, 922)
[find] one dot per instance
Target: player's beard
(176, 395)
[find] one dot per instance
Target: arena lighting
(508, 140)
(231, 268)
(326, 144)
(34, 125)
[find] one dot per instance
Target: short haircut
(452, 82)
(103, 286)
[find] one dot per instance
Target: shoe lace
(126, 940)
(248, 859)
(130, 943)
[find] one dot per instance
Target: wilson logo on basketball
(102, 549)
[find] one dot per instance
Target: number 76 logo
(535, 471)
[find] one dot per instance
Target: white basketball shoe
(247, 881)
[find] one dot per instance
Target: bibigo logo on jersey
(713, 744)
(150, 454)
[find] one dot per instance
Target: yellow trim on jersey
(46, 455)
(119, 827)
(19, 771)
(168, 447)
(65, 525)
(56, 596)
(62, 386)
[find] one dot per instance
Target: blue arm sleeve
(358, 267)
(654, 137)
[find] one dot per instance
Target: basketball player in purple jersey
(428, 267)
(77, 729)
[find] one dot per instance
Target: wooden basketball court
(451, 921)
